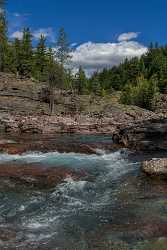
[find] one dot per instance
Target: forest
(139, 80)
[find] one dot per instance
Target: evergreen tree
(94, 85)
(142, 95)
(40, 60)
(55, 78)
(10, 65)
(69, 80)
(63, 50)
(3, 36)
(80, 81)
(17, 55)
(50, 56)
(26, 54)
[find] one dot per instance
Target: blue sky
(98, 22)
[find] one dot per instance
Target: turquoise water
(114, 207)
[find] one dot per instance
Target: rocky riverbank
(24, 108)
(108, 123)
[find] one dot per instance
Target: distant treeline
(139, 79)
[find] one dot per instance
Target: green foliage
(25, 68)
(23, 55)
(94, 85)
(80, 82)
(55, 80)
(154, 62)
(3, 36)
(63, 50)
(55, 76)
(40, 60)
(142, 95)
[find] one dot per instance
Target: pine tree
(10, 65)
(17, 55)
(50, 58)
(3, 36)
(80, 81)
(63, 50)
(55, 78)
(40, 60)
(94, 84)
(26, 54)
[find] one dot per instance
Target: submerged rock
(7, 234)
(155, 167)
(38, 176)
(47, 146)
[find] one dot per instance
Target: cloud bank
(96, 56)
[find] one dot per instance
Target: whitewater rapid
(65, 216)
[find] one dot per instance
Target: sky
(102, 33)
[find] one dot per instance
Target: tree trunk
(51, 103)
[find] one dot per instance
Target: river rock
(38, 176)
(7, 234)
(155, 167)
(47, 146)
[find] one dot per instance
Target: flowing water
(114, 207)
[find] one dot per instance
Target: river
(114, 207)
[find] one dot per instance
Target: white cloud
(73, 45)
(1, 11)
(128, 36)
(17, 34)
(47, 32)
(96, 56)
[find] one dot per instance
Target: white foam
(22, 208)
(39, 156)
(35, 225)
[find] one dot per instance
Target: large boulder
(149, 135)
(155, 167)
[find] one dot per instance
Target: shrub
(142, 95)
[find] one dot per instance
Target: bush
(142, 95)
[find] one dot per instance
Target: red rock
(46, 145)
(7, 234)
(12, 149)
(39, 176)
